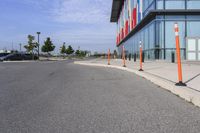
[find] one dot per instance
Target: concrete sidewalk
(163, 74)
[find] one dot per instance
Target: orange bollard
(178, 54)
(141, 57)
(108, 56)
(123, 56)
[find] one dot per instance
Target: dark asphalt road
(60, 97)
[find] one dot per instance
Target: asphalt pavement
(61, 97)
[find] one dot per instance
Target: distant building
(152, 22)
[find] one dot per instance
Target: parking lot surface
(61, 97)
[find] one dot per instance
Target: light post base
(180, 84)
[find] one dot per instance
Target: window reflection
(193, 28)
(170, 35)
(160, 4)
(193, 4)
(175, 4)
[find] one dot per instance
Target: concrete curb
(18, 61)
(186, 93)
(24, 61)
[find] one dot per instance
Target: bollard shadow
(192, 78)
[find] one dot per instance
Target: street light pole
(38, 33)
(20, 47)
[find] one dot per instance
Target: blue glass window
(175, 4)
(193, 29)
(148, 5)
(146, 40)
(160, 34)
(189, 17)
(160, 4)
(179, 17)
(193, 4)
(170, 35)
(152, 36)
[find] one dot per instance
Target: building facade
(152, 23)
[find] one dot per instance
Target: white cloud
(82, 11)
(99, 36)
(36, 3)
(78, 11)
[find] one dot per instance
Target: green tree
(83, 53)
(48, 46)
(77, 52)
(63, 50)
(31, 45)
(69, 50)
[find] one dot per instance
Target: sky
(80, 23)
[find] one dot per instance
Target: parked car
(18, 57)
(4, 54)
(29, 57)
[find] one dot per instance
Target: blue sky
(83, 23)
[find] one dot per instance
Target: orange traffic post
(140, 56)
(108, 56)
(123, 56)
(178, 54)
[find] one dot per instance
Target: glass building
(152, 23)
